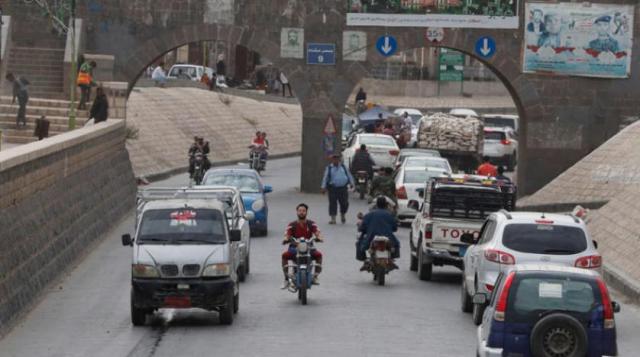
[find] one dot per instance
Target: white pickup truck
(452, 206)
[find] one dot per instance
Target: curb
(622, 282)
(171, 172)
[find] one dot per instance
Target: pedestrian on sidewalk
(85, 82)
(285, 84)
(21, 92)
(100, 108)
(337, 181)
(159, 76)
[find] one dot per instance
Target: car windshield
(377, 141)
(544, 239)
(539, 293)
(404, 155)
(419, 176)
(182, 225)
(500, 122)
(415, 118)
(426, 161)
(494, 135)
(244, 183)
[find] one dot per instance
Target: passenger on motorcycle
(201, 146)
(260, 144)
(383, 184)
(362, 161)
(378, 222)
(306, 228)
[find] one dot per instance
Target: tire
(425, 270)
(362, 194)
(381, 276)
(466, 303)
(226, 313)
(512, 162)
(569, 335)
(477, 313)
(413, 263)
(236, 302)
(302, 290)
(138, 316)
(247, 264)
(242, 273)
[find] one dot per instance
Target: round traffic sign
(435, 34)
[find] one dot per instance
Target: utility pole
(74, 69)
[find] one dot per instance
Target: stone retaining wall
(57, 197)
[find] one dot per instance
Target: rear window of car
(377, 141)
(500, 122)
(426, 161)
(419, 176)
(244, 183)
(494, 135)
(544, 239)
(537, 294)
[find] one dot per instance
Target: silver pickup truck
(185, 254)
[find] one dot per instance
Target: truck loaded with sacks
(460, 140)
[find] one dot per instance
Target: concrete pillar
(314, 159)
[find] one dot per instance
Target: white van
(190, 72)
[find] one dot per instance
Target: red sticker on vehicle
(185, 218)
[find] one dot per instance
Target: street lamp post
(74, 69)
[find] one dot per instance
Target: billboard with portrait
(488, 14)
(578, 39)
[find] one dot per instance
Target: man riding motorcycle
(201, 146)
(260, 144)
(378, 222)
(306, 228)
(384, 185)
(362, 161)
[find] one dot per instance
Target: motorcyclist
(383, 184)
(378, 222)
(201, 146)
(259, 144)
(362, 161)
(302, 227)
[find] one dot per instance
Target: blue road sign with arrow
(387, 45)
(485, 47)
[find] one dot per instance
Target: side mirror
(249, 216)
(420, 192)
(235, 235)
(468, 238)
(268, 189)
(595, 244)
(615, 306)
(126, 240)
(414, 205)
(480, 299)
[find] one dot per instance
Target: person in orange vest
(487, 169)
(85, 81)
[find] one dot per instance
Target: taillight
(590, 262)
(428, 231)
(505, 142)
(380, 246)
(501, 306)
(543, 221)
(500, 257)
(609, 321)
(394, 152)
(489, 287)
(401, 193)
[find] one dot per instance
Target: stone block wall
(57, 197)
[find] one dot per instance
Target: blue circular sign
(485, 47)
(387, 45)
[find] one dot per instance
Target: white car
(463, 113)
(509, 238)
(189, 71)
(502, 120)
(424, 162)
(408, 181)
(501, 146)
(405, 153)
(382, 148)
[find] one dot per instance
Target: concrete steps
(43, 67)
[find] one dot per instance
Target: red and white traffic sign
(330, 126)
(435, 34)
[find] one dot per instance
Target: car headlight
(217, 270)
(257, 205)
(144, 271)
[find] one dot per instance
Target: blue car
(252, 190)
(548, 311)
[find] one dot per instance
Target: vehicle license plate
(177, 301)
(384, 254)
(361, 180)
(183, 286)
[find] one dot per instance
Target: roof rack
(506, 213)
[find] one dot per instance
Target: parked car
(427, 161)
(189, 72)
(463, 113)
(405, 153)
(185, 255)
(508, 238)
(546, 310)
(382, 148)
(408, 182)
(501, 146)
(253, 191)
(502, 121)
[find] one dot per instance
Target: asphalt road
(87, 312)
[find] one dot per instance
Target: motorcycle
(362, 183)
(380, 259)
(198, 168)
(257, 158)
(301, 271)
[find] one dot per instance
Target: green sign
(450, 66)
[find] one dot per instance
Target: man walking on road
(337, 181)
(20, 91)
(285, 84)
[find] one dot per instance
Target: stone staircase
(56, 111)
(43, 67)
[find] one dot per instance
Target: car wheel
(466, 303)
(512, 162)
(478, 311)
(424, 269)
(242, 273)
(559, 335)
(247, 264)
(226, 312)
(236, 302)
(138, 316)
(413, 265)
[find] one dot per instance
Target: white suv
(509, 238)
(501, 146)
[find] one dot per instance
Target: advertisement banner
(577, 39)
(487, 14)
